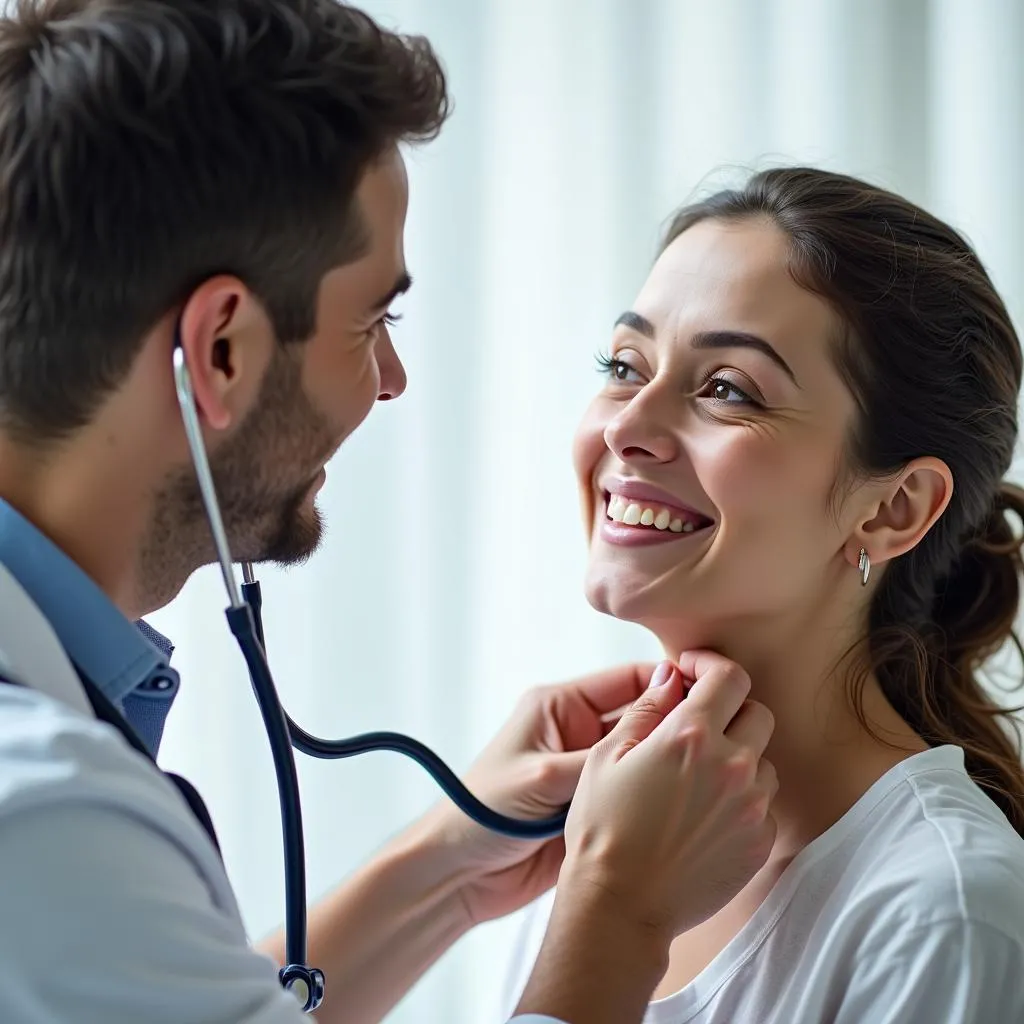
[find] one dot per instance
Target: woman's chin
(632, 600)
(679, 623)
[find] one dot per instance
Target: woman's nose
(640, 433)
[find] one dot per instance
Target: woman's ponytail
(929, 670)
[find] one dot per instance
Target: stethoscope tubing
(245, 620)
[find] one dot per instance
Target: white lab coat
(114, 904)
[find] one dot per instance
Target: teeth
(616, 508)
(630, 513)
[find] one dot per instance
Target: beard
(264, 475)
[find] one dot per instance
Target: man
(225, 175)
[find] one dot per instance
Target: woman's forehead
(734, 274)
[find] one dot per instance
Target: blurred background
(450, 576)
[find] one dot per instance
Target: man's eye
(390, 319)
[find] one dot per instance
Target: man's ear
(227, 341)
(905, 511)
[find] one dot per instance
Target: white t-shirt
(909, 910)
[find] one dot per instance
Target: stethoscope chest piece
(305, 983)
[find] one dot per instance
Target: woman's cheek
(588, 449)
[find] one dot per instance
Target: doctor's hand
(529, 770)
(671, 818)
(669, 822)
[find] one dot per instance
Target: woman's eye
(618, 371)
(720, 389)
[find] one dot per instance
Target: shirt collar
(103, 645)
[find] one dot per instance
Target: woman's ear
(905, 510)
(224, 336)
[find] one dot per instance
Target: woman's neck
(825, 754)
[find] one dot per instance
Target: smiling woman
(817, 378)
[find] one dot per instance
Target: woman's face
(721, 427)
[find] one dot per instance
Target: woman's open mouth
(635, 522)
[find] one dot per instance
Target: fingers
(752, 727)
(570, 764)
(609, 721)
(719, 690)
(647, 712)
(609, 690)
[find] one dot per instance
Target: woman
(797, 460)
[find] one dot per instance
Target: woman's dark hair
(934, 364)
(146, 145)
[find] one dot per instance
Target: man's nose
(392, 373)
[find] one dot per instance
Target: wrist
(377, 933)
(598, 962)
(428, 856)
(592, 901)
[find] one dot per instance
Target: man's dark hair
(146, 145)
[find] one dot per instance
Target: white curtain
(450, 576)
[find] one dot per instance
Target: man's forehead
(384, 186)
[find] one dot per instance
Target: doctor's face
(315, 393)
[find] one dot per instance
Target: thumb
(566, 770)
(556, 778)
(648, 711)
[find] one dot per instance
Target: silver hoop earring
(864, 567)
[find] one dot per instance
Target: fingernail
(662, 674)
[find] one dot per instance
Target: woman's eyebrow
(742, 339)
(712, 339)
(636, 322)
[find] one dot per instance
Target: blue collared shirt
(128, 661)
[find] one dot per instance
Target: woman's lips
(647, 494)
(642, 536)
(634, 522)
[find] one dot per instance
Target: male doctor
(227, 173)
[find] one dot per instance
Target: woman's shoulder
(937, 849)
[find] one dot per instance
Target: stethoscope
(245, 620)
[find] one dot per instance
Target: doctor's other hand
(671, 817)
(529, 770)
